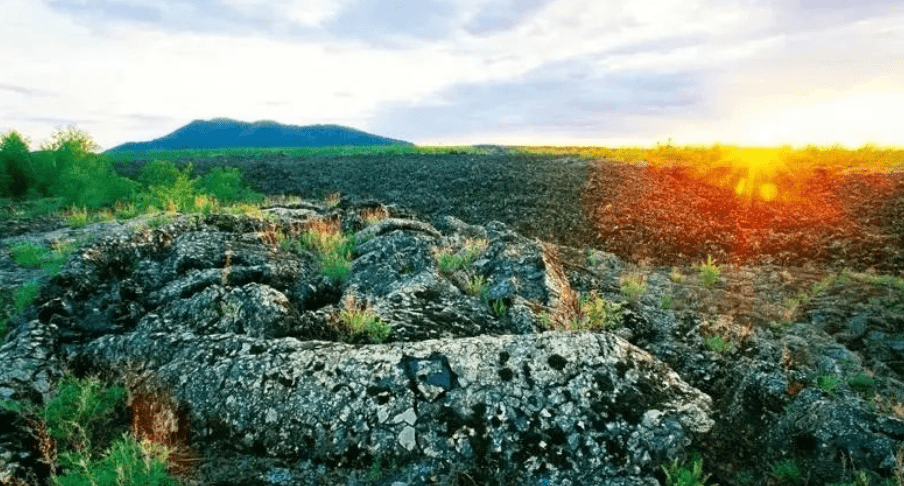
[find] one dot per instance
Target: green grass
(29, 255)
(363, 322)
(709, 272)
(333, 250)
(718, 344)
(450, 262)
(678, 474)
(14, 302)
(787, 472)
(80, 419)
(633, 287)
(828, 382)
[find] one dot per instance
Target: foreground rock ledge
(232, 347)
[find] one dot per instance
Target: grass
(476, 286)
(719, 344)
(584, 313)
(828, 382)
(29, 255)
(333, 249)
(362, 322)
(709, 272)
(633, 287)
(75, 432)
(15, 302)
(787, 472)
(678, 474)
(450, 262)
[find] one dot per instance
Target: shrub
(476, 285)
(498, 307)
(226, 185)
(787, 472)
(718, 344)
(828, 382)
(167, 187)
(633, 287)
(677, 474)
(365, 322)
(597, 313)
(15, 162)
(709, 272)
(78, 419)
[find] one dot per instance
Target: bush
(226, 185)
(677, 474)
(167, 187)
(15, 161)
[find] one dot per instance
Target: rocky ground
(810, 371)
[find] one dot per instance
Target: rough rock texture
(250, 344)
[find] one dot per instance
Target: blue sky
(530, 72)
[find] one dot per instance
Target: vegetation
(587, 312)
(13, 302)
(450, 262)
(719, 344)
(787, 472)
(76, 428)
(709, 272)
(633, 287)
(333, 249)
(678, 474)
(363, 323)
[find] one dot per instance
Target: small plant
(666, 301)
(476, 285)
(498, 307)
(373, 216)
(633, 287)
(598, 313)
(365, 322)
(450, 262)
(77, 217)
(333, 249)
(718, 344)
(26, 254)
(709, 272)
(862, 383)
(677, 474)
(676, 276)
(333, 199)
(787, 472)
(828, 382)
(21, 298)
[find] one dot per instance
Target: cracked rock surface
(246, 341)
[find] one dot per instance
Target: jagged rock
(252, 342)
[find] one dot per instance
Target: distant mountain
(225, 132)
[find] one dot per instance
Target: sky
(460, 72)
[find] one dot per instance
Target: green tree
(14, 164)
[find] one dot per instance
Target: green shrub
(666, 301)
(718, 344)
(709, 272)
(15, 164)
(787, 472)
(450, 262)
(498, 307)
(167, 187)
(126, 463)
(828, 382)
(226, 185)
(79, 418)
(365, 322)
(862, 383)
(598, 313)
(633, 287)
(13, 302)
(677, 474)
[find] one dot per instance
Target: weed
(633, 287)
(862, 383)
(450, 262)
(787, 472)
(26, 254)
(666, 301)
(828, 382)
(21, 297)
(676, 276)
(333, 199)
(718, 344)
(476, 285)
(365, 322)
(372, 216)
(498, 307)
(677, 474)
(598, 313)
(709, 272)
(77, 217)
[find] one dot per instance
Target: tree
(15, 164)
(71, 138)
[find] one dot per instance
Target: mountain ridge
(230, 133)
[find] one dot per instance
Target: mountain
(225, 132)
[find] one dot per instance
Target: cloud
(502, 15)
(575, 96)
(201, 16)
(379, 20)
(22, 90)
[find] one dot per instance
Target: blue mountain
(225, 132)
